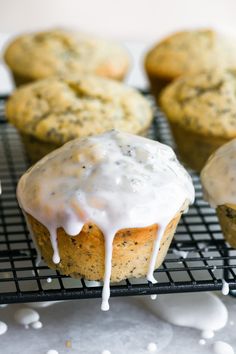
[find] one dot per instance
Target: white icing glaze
(207, 334)
(183, 254)
(49, 280)
(105, 351)
(153, 296)
(52, 351)
(202, 342)
(219, 176)
(26, 316)
(225, 287)
(115, 180)
(152, 347)
(37, 325)
(203, 311)
(220, 347)
(3, 327)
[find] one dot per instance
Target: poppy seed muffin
(105, 207)
(52, 111)
(218, 178)
(201, 110)
(60, 52)
(188, 52)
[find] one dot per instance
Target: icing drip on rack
(115, 180)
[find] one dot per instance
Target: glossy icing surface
(115, 180)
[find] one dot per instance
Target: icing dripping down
(107, 274)
(53, 235)
(160, 234)
(114, 180)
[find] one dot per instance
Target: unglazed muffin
(188, 52)
(105, 207)
(201, 110)
(219, 185)
(53, 111)
(60, 52)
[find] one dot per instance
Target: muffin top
(60, 52)
(188, 52)
(219, 176)
(204, 103)
(58, 110)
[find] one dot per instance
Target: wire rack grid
(198, 258)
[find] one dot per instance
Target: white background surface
(123, 19)
(128, 327)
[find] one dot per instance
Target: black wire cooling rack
(198, 259)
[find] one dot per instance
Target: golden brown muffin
(201, 110)
(53, 111)
(84, 255)
(60, 52)
(188, 52)
(218, 179)
(227, 219)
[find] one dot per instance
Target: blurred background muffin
(52, 111)
(61, 52)
(188, 52)
(219, 184)
(201, 110)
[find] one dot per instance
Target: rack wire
(198, 259)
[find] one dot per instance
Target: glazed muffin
(52, 111)
(219, 185)
(201, 110)
(105, 207)
(188, 52)
(60, 52)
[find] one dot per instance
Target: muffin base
(35, 149)
(227, 219)
(194, 149)
(157, 84)
(83, 255)
(20, 80)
